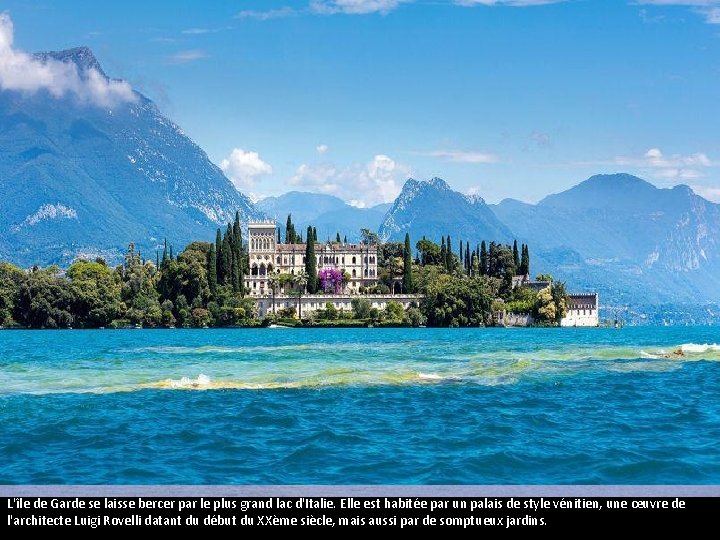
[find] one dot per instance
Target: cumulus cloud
(361, 185)
(321, 148)
(355, 7)
(673, 167)
(243, 167)
(22, 72)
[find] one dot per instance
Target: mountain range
(328, 214)
(85, 179)
(77, 178)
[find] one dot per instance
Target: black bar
(482, 513)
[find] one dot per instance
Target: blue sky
(516, 98)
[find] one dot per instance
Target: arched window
(354, 260)
(354, 273)
(254, 270)
(343, 259)
(365, 259)
(279, 259)
(263, 270)
(366, 273)
(372, 260)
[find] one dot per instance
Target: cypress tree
(171, 253)
(483, 259)
(289, 230)
(408, 285)
(237, 248)
(443, 253)
(311, 262)
(475, 268)
(314, 234)
(165, 255)
(279, 240)
(467, 258)
(226, 265)
(345, 239)
(212, 269)
(157, 258)
(461, 252)
(525, 261)
(337, 238)
(448, 255)
(219, 255)
(233, 276)
(516, 256)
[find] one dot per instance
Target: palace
(267, 255)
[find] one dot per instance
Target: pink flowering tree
(331, 280)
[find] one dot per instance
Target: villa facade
(266, 255)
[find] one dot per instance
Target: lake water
(360, 406)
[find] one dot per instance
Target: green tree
(516, 255)
(212, 270)
(219, 257)
(301, 280)
(475, 266)
(361, 308)
(449, 256)
(525, 261)
(561, 299)
(311, 263)
(394, 312)
(408, 285)
(483, 259)
(430, 252)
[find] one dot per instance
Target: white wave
(430, 376)
(697, 348)
(187, 382)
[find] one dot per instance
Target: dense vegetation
(203, 286)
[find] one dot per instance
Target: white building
(582, 311)
(266, 255)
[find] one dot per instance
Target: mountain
(635, 242)
(432, 209)
(327, 213)
(78, 178)
(304, 207)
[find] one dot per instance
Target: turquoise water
(360, 406)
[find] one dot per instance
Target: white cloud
(361, 185)
(355, 7)
(322, 148)
(183, 57)
(514, 3)
(710, 9)
(243, 167)
(460, 156)
(710, 193)
(674, 167)
(22, 72)
(656, 164)
(266, 15)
